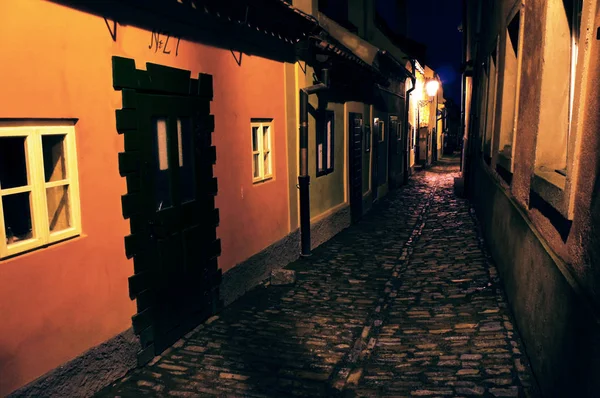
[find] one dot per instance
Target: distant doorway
(375, 160)
(394, 152)
(356, 133)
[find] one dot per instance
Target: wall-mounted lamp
(432, 87)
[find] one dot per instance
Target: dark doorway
(356, 134)
(434, 139)
(382, 152)
(375, 161)
(423, 146)
(394, 152)
(168, 162)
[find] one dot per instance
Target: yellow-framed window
(39, 187)
(262, 157)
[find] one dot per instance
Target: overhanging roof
(361, 48)
(380, 60)
(267, 28)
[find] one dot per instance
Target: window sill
(262, 181)
(550, 186)
(26, 249)
(324, 172)
(503, 167)
(504, 161)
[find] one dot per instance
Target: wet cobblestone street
(405, 303)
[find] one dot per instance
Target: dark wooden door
(383, 152)
(375, 161)
(394, 152)
(356, 134)
(168, 162)
(175, 207)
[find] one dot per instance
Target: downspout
(463, 83)
(413, 79)
(304, 178)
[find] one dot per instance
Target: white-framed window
(262, 144)
(39, 187)
(325, 143)
(380, 129)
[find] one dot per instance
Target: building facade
(531, 125)
(152, 153)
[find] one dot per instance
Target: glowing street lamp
(432, 87)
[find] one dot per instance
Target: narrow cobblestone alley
(405, 303)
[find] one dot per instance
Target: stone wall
(558, 328)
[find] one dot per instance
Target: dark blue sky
(435, 24)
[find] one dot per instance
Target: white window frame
(37, 186)
(381, 130)
(325, 140)
(262, 150)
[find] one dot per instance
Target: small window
(185, 142)
(367, 137)
(512, 59)
(379, 127)
(554, 143)
(162, 180)
(262, 157)
(488, 132)
(38, 187)
(325, 143)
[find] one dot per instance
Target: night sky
(435, 24)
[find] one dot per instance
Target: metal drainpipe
(413, 79)
(304, 178)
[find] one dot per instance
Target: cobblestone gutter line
(448, 331)
(351, 368)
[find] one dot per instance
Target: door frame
(195, 278)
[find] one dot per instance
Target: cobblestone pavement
(405, 303)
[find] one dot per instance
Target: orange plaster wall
(57, 302)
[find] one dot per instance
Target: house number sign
(164, 42)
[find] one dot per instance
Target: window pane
(256, 165)
(13, 163)
(59, 209)
(266, 138)
(162, 179)
(53, 147)
(254, 138)
(320, 157)
(267, 163)
(185, 139)
(17, 217)
(161, 144)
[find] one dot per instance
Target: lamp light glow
(432, 87)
